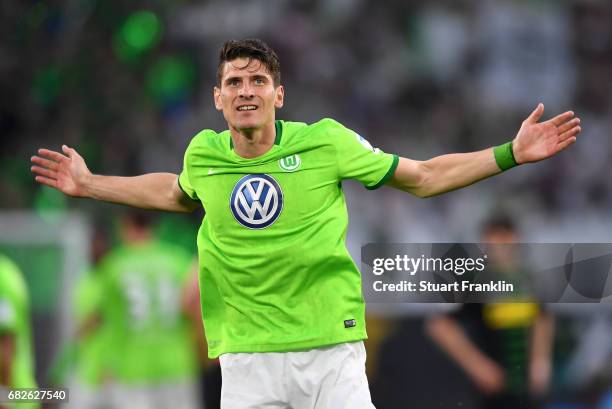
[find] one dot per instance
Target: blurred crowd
(128, 84)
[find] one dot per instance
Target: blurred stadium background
(129, 83)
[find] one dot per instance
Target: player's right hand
(65, 172)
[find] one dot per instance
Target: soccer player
(504, 348)
(148, 355)
(16, 363)
(281, 297)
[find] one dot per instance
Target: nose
(246, 91)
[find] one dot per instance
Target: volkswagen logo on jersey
(257, 201)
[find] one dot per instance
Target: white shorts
(324, 378)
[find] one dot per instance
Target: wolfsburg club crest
(290, 163)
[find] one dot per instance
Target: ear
(279, 98)
(217, 98)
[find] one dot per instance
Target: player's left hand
(540, 140)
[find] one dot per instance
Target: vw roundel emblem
(257, 201)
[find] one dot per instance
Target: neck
(251, 143)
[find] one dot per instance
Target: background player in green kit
(275, 275)
(16, 362)
(140, 348)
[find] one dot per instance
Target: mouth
(243, 108)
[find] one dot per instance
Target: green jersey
(15, 321)
(275, 274)
(150, 339)
(91, 347)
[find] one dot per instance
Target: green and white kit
(275, 274)
(148, 336)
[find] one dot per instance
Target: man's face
(500, 235)
(247, 95)
(504, 252)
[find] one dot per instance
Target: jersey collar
(278, 127)
(279, 131)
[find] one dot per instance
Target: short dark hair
(499, 221)
(251, 48)
(140, 218)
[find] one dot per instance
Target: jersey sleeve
(184, 181)
(13, 296)
(357, 159)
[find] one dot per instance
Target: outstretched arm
(535, 141)
(68, 173)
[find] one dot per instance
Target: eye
(234, 82)
(259, 81)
